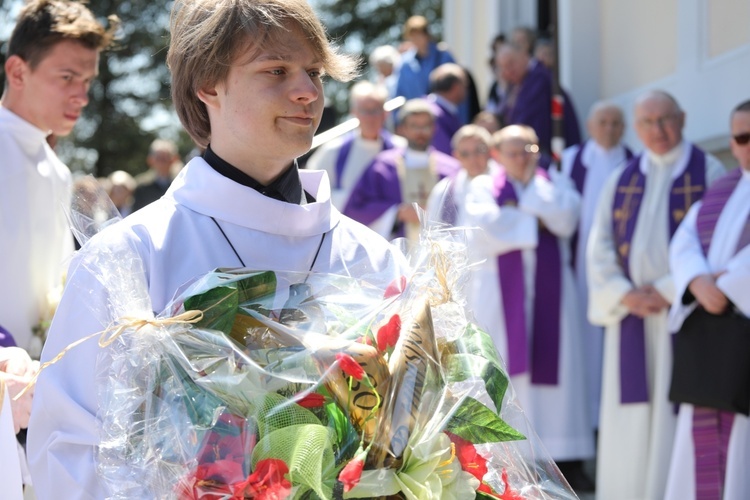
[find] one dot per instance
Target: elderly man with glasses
(630, 291)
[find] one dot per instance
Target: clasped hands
(644, 301)
(709, 295)
(16, 370)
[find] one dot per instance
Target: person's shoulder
(445, 159)
(388, 157)
(359, 238)
(11, 149)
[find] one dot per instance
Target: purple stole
(545, 341)
(346, 148)
(578, 175)
(578, 170)
(712, 428)
(686, 190)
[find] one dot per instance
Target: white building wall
(698, 50)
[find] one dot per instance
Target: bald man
(589, 165)
(630, 290)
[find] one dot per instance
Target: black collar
(287, 187)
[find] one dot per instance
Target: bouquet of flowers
(347, 390)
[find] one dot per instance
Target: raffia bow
(114, 331)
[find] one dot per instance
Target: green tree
(361, 25)
(129, 102)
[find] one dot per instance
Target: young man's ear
(15, 71)
(209, 96)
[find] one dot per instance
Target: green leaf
(478, 424)
(199, 403)
(481, 494)
(219, 306)
(474, 355)
(220, 303)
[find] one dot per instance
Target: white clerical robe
(453, 191)
(635, 439)
(359, 158)
(10, 456)
(558, 413)
(687, 262)
(35, 190)
(599, 163)
(177, 241)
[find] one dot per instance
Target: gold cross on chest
(622, 214)
(687, 190)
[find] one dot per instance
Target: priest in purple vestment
(630, 290)
(447, 92)
(345, 158)
(398, 178)
(710, 260)
(529, 97)
(523, 292)
(589, 165)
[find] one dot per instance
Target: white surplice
(359, 158)
(10, 457)
(453, 190)
(557, 413)
(35, 189)
(687, 262)
(177, 241)
(635, 440)
(599, 163)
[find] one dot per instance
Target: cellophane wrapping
(349, 390)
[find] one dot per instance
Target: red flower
(232, 443)
(395, 287)
(471, 461)
(352, 472)
(267, 482)
(211, 480)
(311, 400)
(388, 334)
(350, 367)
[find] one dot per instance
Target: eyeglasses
(471, 152)
(742, 139)
(660, 122)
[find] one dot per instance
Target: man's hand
(17, 370)
(708, 295)
(644, 301)
(407, 213)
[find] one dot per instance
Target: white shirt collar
(28, 135)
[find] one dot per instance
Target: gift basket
(350, 389)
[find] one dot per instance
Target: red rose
(388, 334)
(267, 482)
(311, 400)
(352, 472)
(350, 367)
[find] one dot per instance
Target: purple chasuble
(686, 190)
(6, 339)
(711, 427)
(346, 148)
(545, 336)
